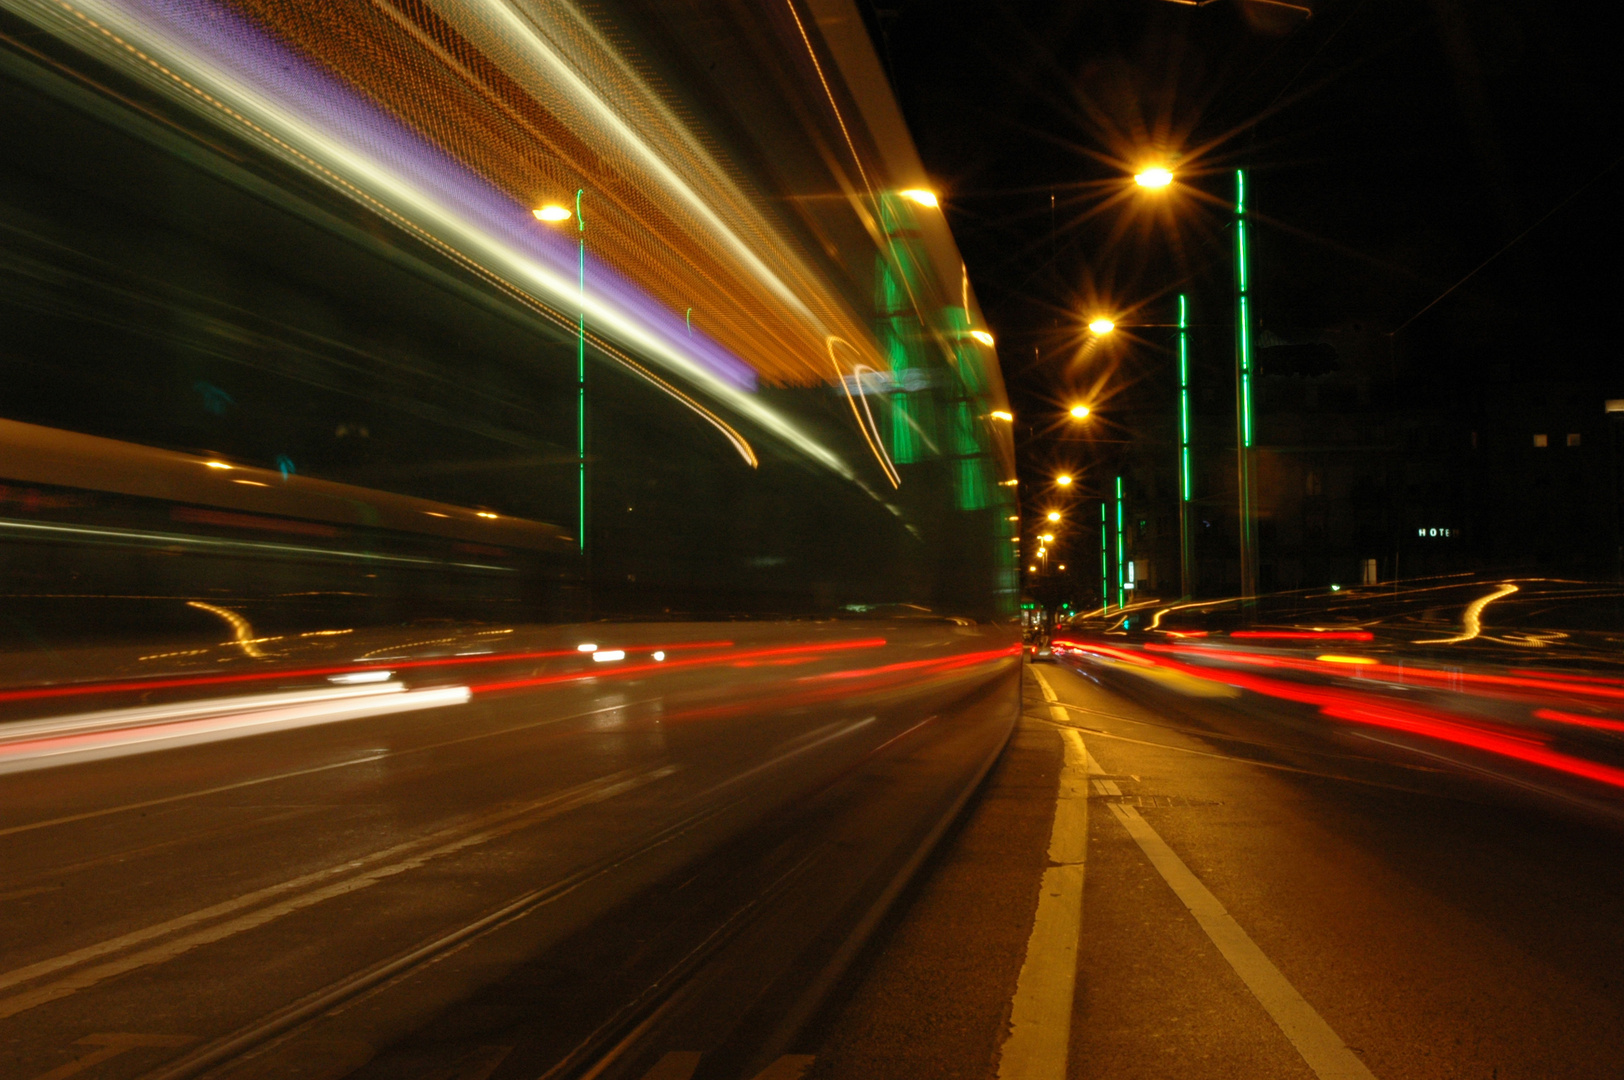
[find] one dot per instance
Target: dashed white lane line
(1039, 1040)
(1321, 1048)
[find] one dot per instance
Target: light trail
(82, 737)
(1472, 618)
(303, 116)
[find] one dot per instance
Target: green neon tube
(1243, 307)
(1105, 565)
(580, 381)
(1184, 397)
(1121, 602)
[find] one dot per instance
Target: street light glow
(1102, 326)
(1000, 414)
(1053, 515)
(1154, 178)
(1063, 480)
(1079, 412)
(983, 337)
(552, 212)
(920, 196)
(1047, 538)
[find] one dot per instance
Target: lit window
(1573, 439)
(1542, 440)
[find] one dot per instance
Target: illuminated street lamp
(1000, 414)
(1053, 515)
(556, 214)
(1047, 538)
(1157, 177)
(921, 196)
(983, 337)
(1063, 480)
(1102, 326)
(1079, 412)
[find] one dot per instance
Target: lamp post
(1243, 400)
(1186, 537)
(1105, 564)
(555, 214)
(1121, 601)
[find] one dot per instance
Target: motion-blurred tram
(401, 311)
(505, 506)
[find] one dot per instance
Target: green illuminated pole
(1186, 539)
(1243, 397)
(580, 379)
(1121, 601)
(1105, 564)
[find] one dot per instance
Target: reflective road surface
(582, 846)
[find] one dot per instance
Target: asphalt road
(560, 863)
(1430, 923)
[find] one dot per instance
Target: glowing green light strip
(1120, 591)
(1105, 565)
(580, 378)
(1184, 397)
(1243, 310)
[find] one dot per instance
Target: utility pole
(1186, 538)
(1105, 565)
(580, 378)
(1121, 598)
(1243, 400)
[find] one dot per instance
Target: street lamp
(555, 214)
(1102, 326)
(1063, 480)
(1053, 515)
(983, 337)
(1157, 177)
(1000, 414)
(1079, 412)
(920, 196)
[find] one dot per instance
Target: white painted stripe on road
(1039, 1041)
(1322, 1049)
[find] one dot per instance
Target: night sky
(1393, 146)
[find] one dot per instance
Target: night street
(1440, 928)
(810, 540)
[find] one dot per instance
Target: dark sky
(1393, 145)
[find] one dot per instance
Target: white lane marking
(110, 1046)
(675, 1065)
(1039, 1041)
(485, 829)
(788, 1067)
(1322, 1049)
